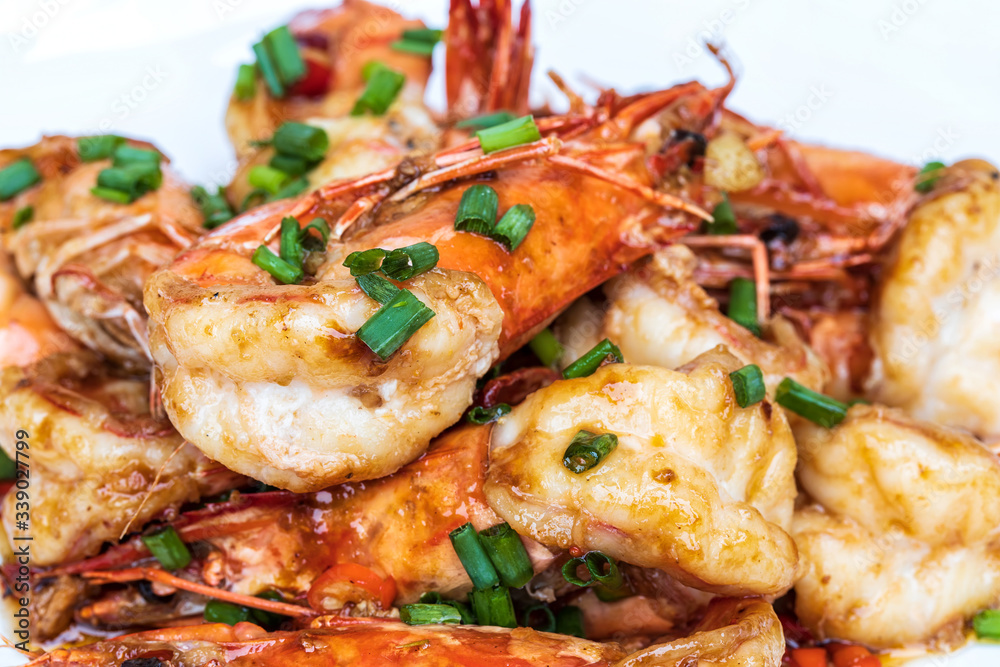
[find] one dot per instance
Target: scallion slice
(377, 287)
(548, 623)
(482, 415)
(215, 208)
(217, 611)
(429, 35)
(300, 140)
(588, 450)
(473, 556)
(743, 304)
(429, 614)
(363, 262)
(321, 226)
(17, 177)
(112, 195)
(413, 46)
(394, 323)
(602, 569)
(98, 147)
(126, 155)
(279, 269)
(546, 347)
(493, 606)
(514, 226)
(22, 217)
(816, 407)
(267, 178)
(928, 176)
(486, 120)
(8, 469)
(268, 70)
(293, 166)
(383, 87)
(569, 621)
(268, 620)
(290, 244)
(410, 261)
(477, 210)
(168, 548)
(463, 609)
(287, 59)
(605, 594)
(507, 135)
(133, 180)
(508, 555)
(723, 218)
(246, 83)
(748, 385)
(592, 360)
(292, 188)
(987, 624)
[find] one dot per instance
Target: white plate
(901, 78)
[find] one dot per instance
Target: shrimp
(658, 315)
(88, 258)
(99, 460)
(732, 633)
(901, 549)
(318, 408)
(27, 331)
(935, 355)
(697, 486)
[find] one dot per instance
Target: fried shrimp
(88, 258)
(697, 486)
(27, 331)
(932, 322)
(901, 549)
(658, 315)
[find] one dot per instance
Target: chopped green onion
(377, 287)
(410, 261)
(394, 324)
(429, 614)
(321, 226)
(486, 120)
(303, 141)
(246, 83)
(217, 611)
(290, 245)
(481, 415)
(8, 469)
(603, 569)
(748, 385)
(477, 210)
(369, 68)
(987, 624)
(267, 178)
(477, 564)
(112, 195)
(588, 450)
(98, 147)
(215, 208)
(805, 402)
(858, 401)
(268, 70)
(508, 555)
(22, 217)
(547, 625)
(268, 620)
(125, 155)
(723, 218)
(17, 177)
(433, 597)
(493, 606)
(413, 46)
(255, 197)
(514, 226)
(743, 304)
(286, 56)
(507, 135)
(928, 176)
(168, 548)
(293, 166)
(606, 594)
(363, 262)
(133, 180)
(294, 187)
(592, 360)
(430, 35)
(569, 621)
(383, 87)
(546, 347)
(279, 269)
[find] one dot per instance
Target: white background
(909, 79)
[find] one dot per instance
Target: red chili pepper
(808, 657)
(317, 80)
(381, 590)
